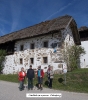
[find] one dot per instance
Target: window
(54, 45)
(21, 61)
(31, 60)
(32, 46)
(45, 44)
(21, 47)
(45, 60)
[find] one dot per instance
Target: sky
(18, 14)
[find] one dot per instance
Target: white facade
(35, 57)
(84, 58)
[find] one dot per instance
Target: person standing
(40, 74)
(50, 76)
(30, 76)
(21, 76)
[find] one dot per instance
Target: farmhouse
(83, 31)
(41, 44)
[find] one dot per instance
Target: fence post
(65, 78)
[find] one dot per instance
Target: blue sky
(19, 14)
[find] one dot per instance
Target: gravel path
(10, 91)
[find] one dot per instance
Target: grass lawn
(76, 81)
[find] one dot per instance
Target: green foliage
(2, 59)
(72, 56)
(77, 51)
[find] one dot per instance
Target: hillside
(76, 81)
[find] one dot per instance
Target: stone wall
(56, 43)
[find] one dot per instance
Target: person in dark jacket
(30, 76)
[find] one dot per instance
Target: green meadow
(76, 81)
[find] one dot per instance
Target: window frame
(45, 60)
(21, 61)
(32, 45)
(21, 47)
(46, 45)
(31, 60)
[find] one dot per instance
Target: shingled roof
(83, 31)
(38, 29)
(83, 28)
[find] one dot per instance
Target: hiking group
(30, 75)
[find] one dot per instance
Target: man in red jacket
(21, 76)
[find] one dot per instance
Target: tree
(72, 56)
(2, 59)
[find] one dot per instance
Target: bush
(2, 59)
